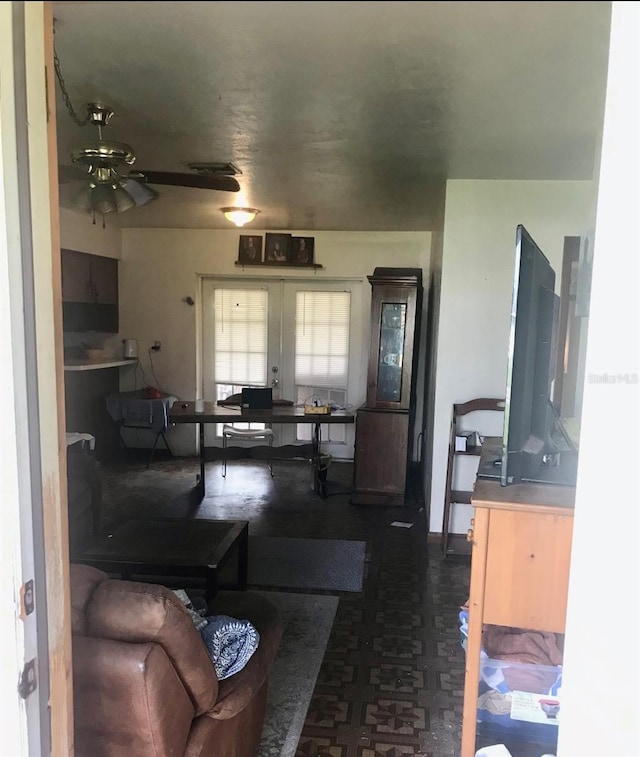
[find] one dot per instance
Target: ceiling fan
(110, 188)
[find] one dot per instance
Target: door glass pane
(240, 343)
(322, 355)
(240, 336)
(322, 339)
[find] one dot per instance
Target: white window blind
(322, 339)
(240, 334)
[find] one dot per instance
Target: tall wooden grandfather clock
(385, 424)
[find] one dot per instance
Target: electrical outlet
(156, 346)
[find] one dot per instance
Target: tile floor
(392, 677)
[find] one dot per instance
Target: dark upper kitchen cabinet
(89, 292)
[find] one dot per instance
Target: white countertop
(83, 364)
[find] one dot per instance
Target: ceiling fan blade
(198, 181)
(141, 193)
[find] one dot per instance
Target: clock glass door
(392, 327)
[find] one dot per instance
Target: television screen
(530, 447)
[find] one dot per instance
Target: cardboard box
(317, 409)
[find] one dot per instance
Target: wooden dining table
(185, 412)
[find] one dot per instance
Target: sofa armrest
(235, 692)
(128, 699)
(139, 612)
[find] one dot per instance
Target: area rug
(288, 563)
(307, 621)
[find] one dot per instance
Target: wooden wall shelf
(315, 266)
(83, 364)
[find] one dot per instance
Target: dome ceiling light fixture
(239, 216)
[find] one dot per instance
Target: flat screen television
(534, 449)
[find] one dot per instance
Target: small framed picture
(301, 251)
(250, 249)
(277, 249)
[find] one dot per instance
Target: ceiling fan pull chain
(65, 94)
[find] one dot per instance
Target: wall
(80, 233)
(429, 352)
(602, 661)
(161, 267)
(477, 276)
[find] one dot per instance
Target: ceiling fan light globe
(124, 201)
(82, 199)
(104, 198)
(239, 216)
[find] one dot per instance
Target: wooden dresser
(521, 550)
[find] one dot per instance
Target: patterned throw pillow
(230, 643)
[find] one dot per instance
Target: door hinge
(27, 601)
(28, 680)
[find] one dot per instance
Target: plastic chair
(229, 432)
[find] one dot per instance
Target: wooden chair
(460, 410)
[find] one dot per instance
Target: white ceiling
(340, 115)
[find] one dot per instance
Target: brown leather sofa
(143, 682)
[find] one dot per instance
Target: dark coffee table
(170, 547)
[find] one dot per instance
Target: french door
(294, 335)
